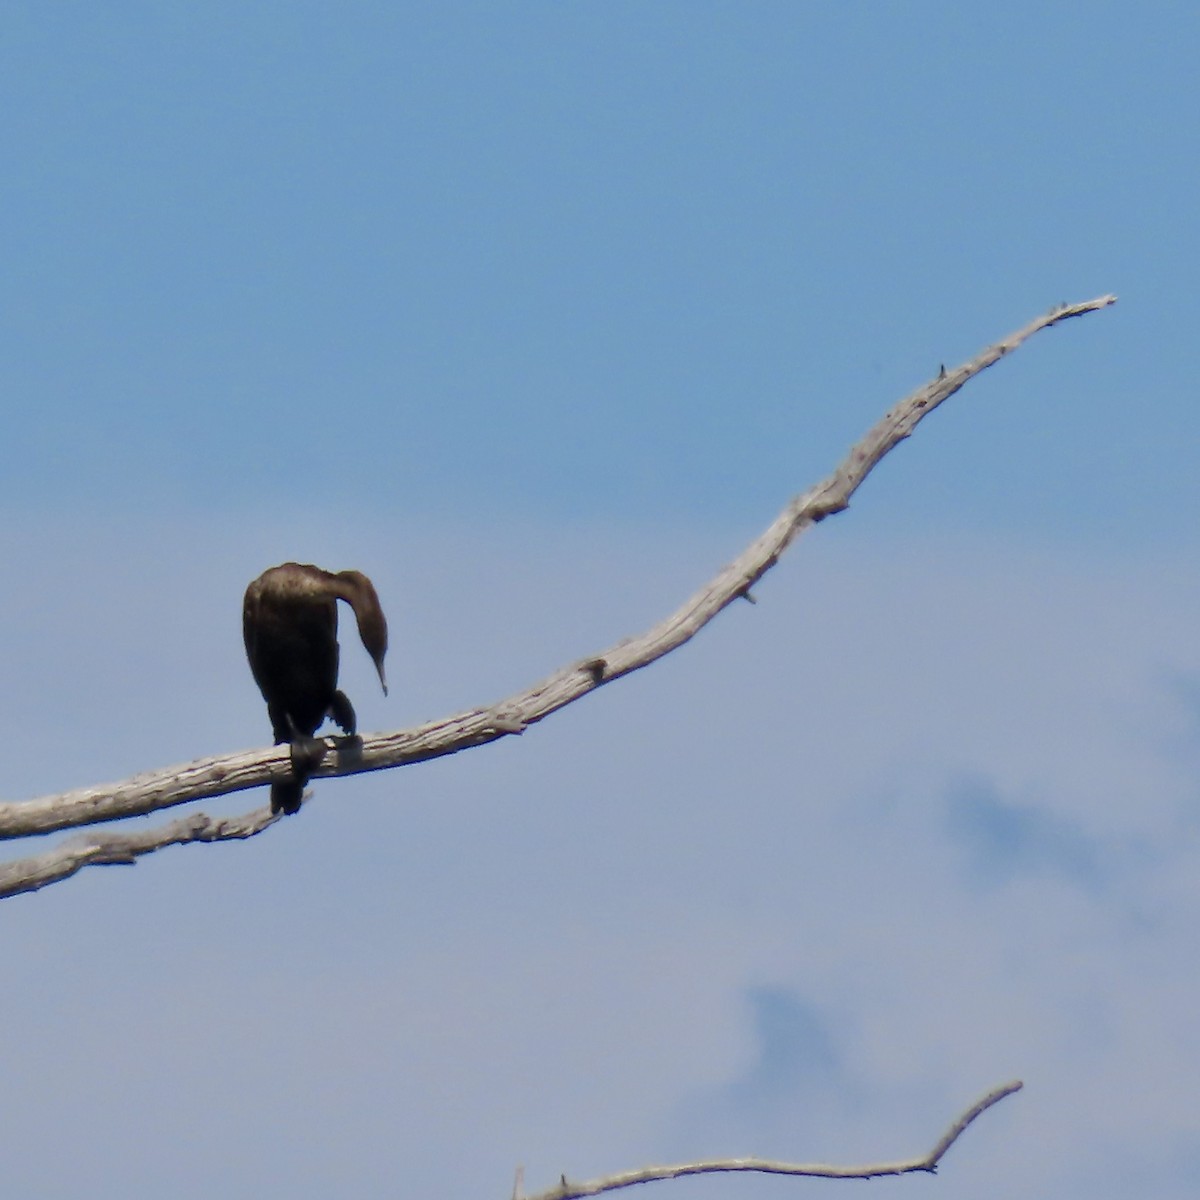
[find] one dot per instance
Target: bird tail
(285, 796)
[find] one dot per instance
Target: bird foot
(349, 750)
(307, 754)
(342, 711)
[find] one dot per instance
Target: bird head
(359, 592)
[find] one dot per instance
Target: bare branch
(217, 776)
(565, 1190)
(94, 849)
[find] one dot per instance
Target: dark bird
(289, 621)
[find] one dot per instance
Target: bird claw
(342, 712)
(307, 754)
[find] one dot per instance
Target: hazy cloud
(795, 1051)
(1004, 839)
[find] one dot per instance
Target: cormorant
(289, 621)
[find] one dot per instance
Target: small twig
(155, 790)
(566, 1190)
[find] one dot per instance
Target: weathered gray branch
(565, 1190)
(108, 849)
(217, 776)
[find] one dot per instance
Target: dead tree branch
(566, 1190)
(108, 849)
(151, 791)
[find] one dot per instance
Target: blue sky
(538, 313)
